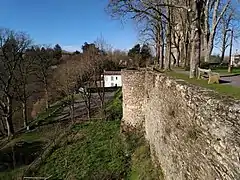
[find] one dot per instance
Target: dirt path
(232, 80)
(80, 109)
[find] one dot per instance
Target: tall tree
(44, 61)
(134, 54)
(145, 55)
(26, 84)
(57, 53)
(214, 7)
(66, 79)
(164, 9)
(12, 47)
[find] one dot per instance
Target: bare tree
(212, 6)
(66, 79)
(99, 65)
(225, 25)
(12, 47)
(45, 57)
(229, 21)
(85, 79)
(26, 81)
(151, 8)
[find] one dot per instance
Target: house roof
(112, 73)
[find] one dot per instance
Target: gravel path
(232, 80)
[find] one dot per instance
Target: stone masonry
(193, 132)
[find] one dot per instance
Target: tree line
(183, 32)
(30, 73)
(23, 69)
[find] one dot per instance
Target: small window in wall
(115, 85)
(106, 78)
(116, 78)
(112, 84)
(112, 78)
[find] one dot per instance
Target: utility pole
(230, 53)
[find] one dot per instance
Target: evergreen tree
(57, 53)
(135, 51)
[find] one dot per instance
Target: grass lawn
(235, 71)
(220, 88)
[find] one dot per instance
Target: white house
(112, 79)
(235, 60)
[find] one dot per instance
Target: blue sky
(67, 22)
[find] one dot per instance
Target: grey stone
(194, 132)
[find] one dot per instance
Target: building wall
(112, 80)
(193, 132)
(235, 61)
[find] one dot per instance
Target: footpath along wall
(193, 133)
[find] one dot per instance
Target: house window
(106, 78)
(112, 78)
(116, 78)
(112, 84)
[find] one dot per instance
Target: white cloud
(71, 48)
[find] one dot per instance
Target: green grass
(114, 107)
(13, 174)
(141, 163)
(95, 150)
(223, 89)
(53, 111)
(235, 71)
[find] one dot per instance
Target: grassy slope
(94, 150)
(220, 88)
(43, 135)
(97, 150)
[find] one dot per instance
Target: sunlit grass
(223, 89)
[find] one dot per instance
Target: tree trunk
(24, 113)
(209, 47)
(162, 55)
(46, 92)
(158, 48)
(72, 108)
(178, 58)
(195, 54)
(181, 58)
(161, 46)
(230, 54)
(186, 56)
(47, 97)
(3, 128)
(169, 43)
(223, 45)
(101, 94)
(8, 117)
(89, 110)
(196, 42)
(206, 32)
